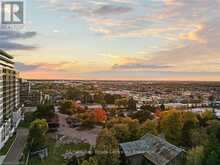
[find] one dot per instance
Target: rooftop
(154, 148)
(2, 52)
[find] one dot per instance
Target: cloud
(8, 40)
(61, 66)
(140, 66)
(193, 35)
(26, 67)
(111, 9)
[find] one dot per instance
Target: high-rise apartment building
(10, 109)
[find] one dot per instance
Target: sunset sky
(118, 39)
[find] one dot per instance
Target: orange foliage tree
(100, 115)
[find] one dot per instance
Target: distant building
(151, 150)
(10, 109)
(31, 98)
(25, 90)
(35, 97)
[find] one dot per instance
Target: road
(16, 150)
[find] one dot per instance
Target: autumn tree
(100, 115)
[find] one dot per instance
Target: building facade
(10, 109)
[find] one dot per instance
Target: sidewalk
(16, 150)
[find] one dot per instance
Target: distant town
(78, 122)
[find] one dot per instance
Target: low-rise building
(151, 150)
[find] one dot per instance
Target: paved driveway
(88, 135)
(16, 150)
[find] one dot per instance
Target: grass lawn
(7, 146)
(55, 153)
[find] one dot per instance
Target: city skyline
(117, 40)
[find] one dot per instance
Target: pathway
(16, 150)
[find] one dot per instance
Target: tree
(99, 98)
(142, 116)
(110, 99)
(212, 148)
(148, 108)
(37, 134)
(132, 104)
(132, 124)
(107, 148)
(88, 119)
(100, 115)
(162, 107)
(195, 156)
(149, 126)
(198, 137)
(121, 132)
(91, 161)
(45, 111)
(171, 125)
(66, 107)
(86, 98)
(190, 122)
(122, 103)
(206, 116)
(213, 158)
(73, 94)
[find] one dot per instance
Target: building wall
(9, 98)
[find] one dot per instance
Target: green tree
(142, 116)
(121, 132)
(213, 158)
(149, 126)
(66, 107)
(162, 107)
(190, 122)
(37, 134)
(132, 104)
(91, 161)
(73, 93)
(122, 103)
(171, 125)
(198, 137)
(206, 116)
(45, 111)
(107, 148)
(195, 156)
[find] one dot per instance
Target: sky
(117, 40)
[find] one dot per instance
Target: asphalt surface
(16, 150)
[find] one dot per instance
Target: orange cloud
(193, 35)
